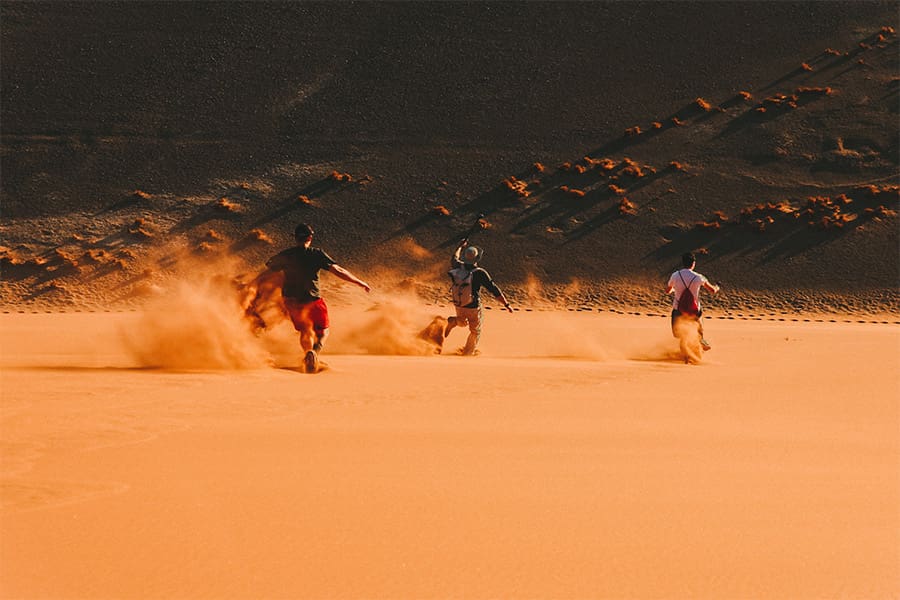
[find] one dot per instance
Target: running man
(467, 281)
(687, 280)
(299, 266)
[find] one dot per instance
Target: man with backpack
(467, 280)
(686, 283)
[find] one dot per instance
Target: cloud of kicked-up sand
(195, 320)
(195, 325)
(391, 325)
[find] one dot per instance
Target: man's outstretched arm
(348, 276)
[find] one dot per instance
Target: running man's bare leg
(320, 340)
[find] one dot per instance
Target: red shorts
(306, 315)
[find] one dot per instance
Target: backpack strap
(687, 286)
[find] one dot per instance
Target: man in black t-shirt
(299, 266)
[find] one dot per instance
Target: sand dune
(577, 457)
(596, 145)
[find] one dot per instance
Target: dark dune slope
(122, 118)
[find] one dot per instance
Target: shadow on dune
(302, 199)
(531, 199)
(694, 112)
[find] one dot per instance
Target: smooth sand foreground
(576, 458)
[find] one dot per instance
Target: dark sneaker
(310, 362)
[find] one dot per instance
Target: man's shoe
(705, 345)
(311, 362)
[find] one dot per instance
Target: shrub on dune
(10, 258)
(95, 256)
(706, 106)
(340, 177)
(813, 91)
(518, 186)
(605, 164)
(778, 102)
(64, 257)
(574, 192)
(225, 205)
(832, 221)
(140, 228)
(632, 169)
(209, 242)
(781, 100)
(760, 216)
(626, 207)
(63, 262)
(126, 254)
(258, 236)
(707, 225)
(880, 211)
(441, 210)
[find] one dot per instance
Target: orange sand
(574, 459)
